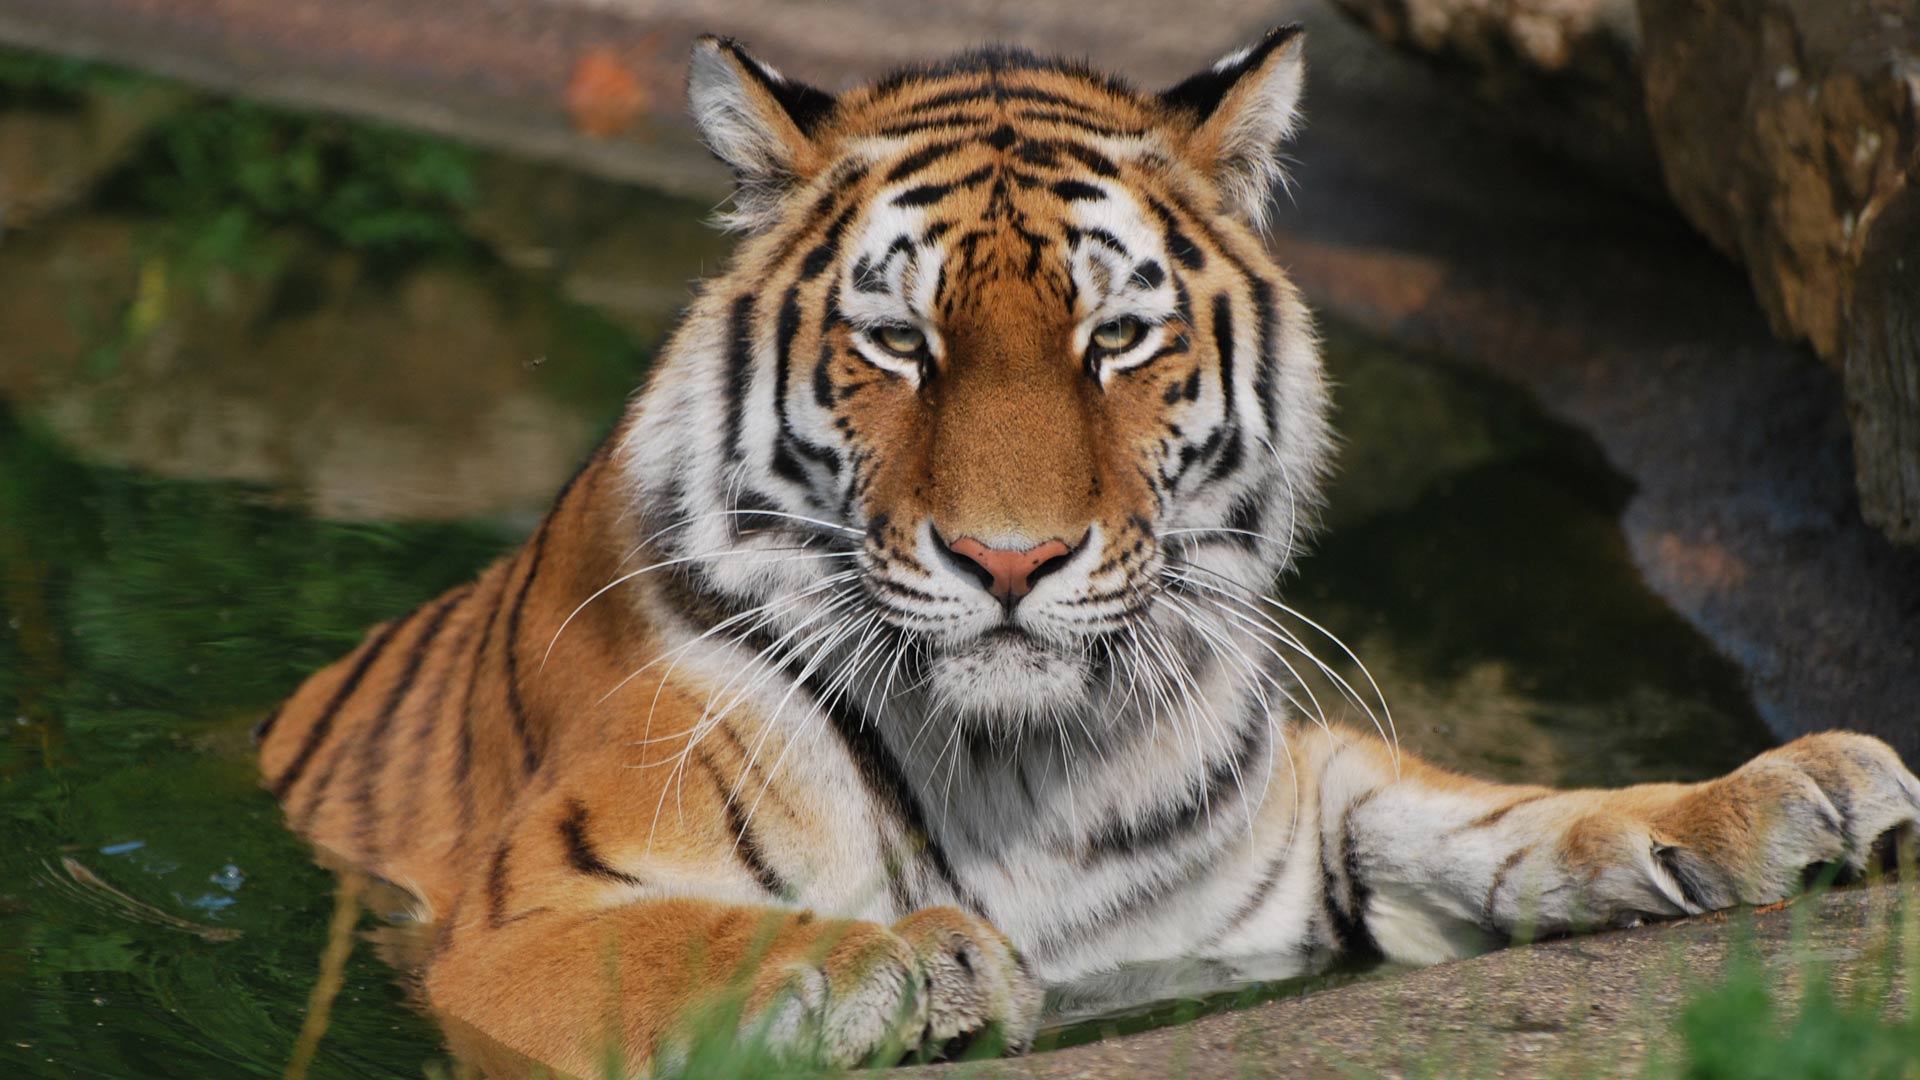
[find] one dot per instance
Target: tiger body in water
(905, 649)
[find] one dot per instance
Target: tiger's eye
(1118, 334)
(901, 340)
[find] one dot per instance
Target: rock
(51, 158)
(1562, 72)
(628, 251)
(434, 393)
(1883, 370)
(1598, 1005)
(1789, 133)
(1429, 230)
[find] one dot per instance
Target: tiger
(905, 651)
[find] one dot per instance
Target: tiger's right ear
(757, 121)
(1236, 113)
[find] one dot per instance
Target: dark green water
(265, 381)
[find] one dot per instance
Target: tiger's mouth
(1008, 676)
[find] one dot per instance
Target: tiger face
(1002, 393)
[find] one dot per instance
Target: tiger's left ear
(1238, 112)
(757, 121)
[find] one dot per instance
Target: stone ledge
(1601, 1004)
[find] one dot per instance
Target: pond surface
(266, 380)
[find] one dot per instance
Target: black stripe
(887, 784)
(1036, 246)
(580, 851)
(516, 708)
(1077, 191)
(997, 92)
(1223, 347)
(1263, 306)
(1185, 251)
(1232, 451)
(949, 98)
(787, 467)
(785, 330)
(823, 369)
(1268, 358)
(867, 278)
(1108, 240)
(316, 794)
(1028, 93)
(372, 763)
(956, 118)
(1262, 889)
(516, 705)
(790, 439)
(430, 712)
(756, 511)
(1041, 152)
(1192, 454)
(1168, 822)
(463, 750)
(1494, 817)
(1244, 517)
(497, 885)
(823, 378)
(265, 727)
(322, 727)
(1140, 896)
(739, 369)
(745, 847)
(1054, 116)
(463, 746)
(928, 194)
(1091, 158)
(817, 212)
(923, 158)
(1488, 906)
(829, 245)
(870, 278)
(1340, 866)
(1232, 446)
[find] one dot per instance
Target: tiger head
(1001, 384)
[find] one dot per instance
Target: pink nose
(1009, 575)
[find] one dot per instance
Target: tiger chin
(906, 650)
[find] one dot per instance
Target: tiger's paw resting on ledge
(928, 986)
(908, 646)
(793, 986)
(1445, 867)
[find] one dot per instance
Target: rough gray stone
(1591, 1006)
(1563, 72)
(48, 160)
(1789, 133)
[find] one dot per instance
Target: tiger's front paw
(976, 983)
(1761, 833)
(927, 986)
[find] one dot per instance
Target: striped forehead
(1037, 204)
